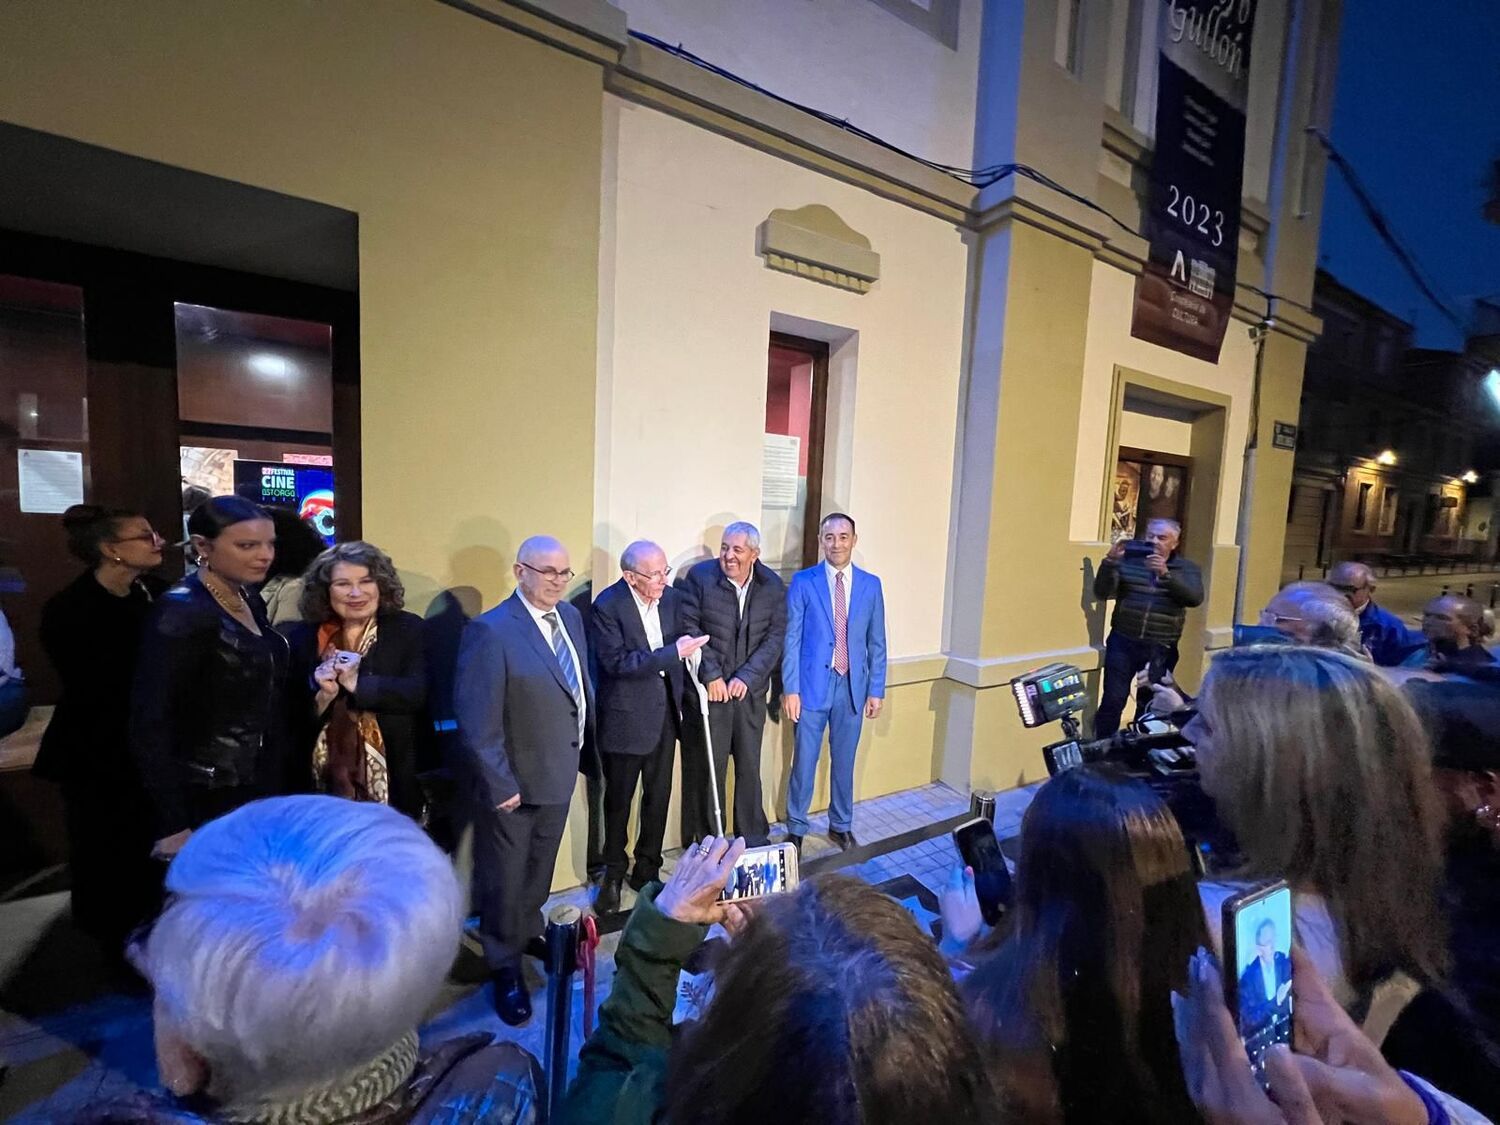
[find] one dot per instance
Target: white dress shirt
(742, 591)
(650, 620)
(539, 616)
(1268, 975)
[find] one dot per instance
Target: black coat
(1147, 607)
(208, 711)
(747, 650)
(93, 639)
(632, 701)
(517, 721)
(392, 686)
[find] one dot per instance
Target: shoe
(639, 880)
(512, 1001)
(607, 901)
(796, 842)
(536, 947)
(845, 840)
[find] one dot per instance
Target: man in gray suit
(524, 704)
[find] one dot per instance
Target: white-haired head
(1314, 613)
(738, 549)
(303, 936)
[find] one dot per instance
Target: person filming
(1153, 588)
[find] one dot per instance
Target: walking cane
(708, 740)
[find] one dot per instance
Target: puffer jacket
(1146, 607)
(745, 650)
(208, 706)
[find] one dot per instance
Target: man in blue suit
(1388, 640)
(832, 673)
(639, 646)
(525, 705)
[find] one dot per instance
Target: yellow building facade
(572, 246)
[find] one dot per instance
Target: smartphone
(1138, 549)
(1258, 968)
(980, 850)
(771, 870)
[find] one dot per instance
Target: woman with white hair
(304, 939)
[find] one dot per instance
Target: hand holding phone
(980, 850)
(760, 872)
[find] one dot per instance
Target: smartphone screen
(980, 850)
(1258, 952)
(762, 871)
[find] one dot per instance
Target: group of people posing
(181, 704)
(657, 664)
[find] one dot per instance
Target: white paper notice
(51, 479)
(778, 471)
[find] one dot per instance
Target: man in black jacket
(638, 646)
(1152, 596)
(741, 604)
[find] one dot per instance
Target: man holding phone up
(1153, 589)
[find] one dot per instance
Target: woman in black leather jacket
(208, 723)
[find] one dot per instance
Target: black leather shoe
(845, 840)
(512, 1001)
(796, 842)
(639, 879)
(608, 899)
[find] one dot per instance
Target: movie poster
(1146, 491)
(307, 490)
(1185, 293)
(1127, 494)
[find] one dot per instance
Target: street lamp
(1471, 477)
(1388, 456)
(1492, 386)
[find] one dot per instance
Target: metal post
(1300, 568)
(1494, 593)
(1444, 594)
(562, 962)
(1469, 590)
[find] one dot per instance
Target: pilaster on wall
(1271, 479)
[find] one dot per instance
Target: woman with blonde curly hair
(357, 660)
(1322, 769)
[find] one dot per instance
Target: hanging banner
(1185, 293)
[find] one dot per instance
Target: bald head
(1355, 581)
(542, 571)
(1315, 614)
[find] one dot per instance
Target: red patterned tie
(840, 626)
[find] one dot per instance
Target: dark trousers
(1123, 658)
(654, 773)
(514, 854)
(736, 729)
(591, 765)
(116, 884)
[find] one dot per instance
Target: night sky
(1417, 112)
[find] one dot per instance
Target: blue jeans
(1123, 657)
(842, 718)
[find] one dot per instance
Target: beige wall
(691, 308)
(477, 229)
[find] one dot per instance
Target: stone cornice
(591, 29)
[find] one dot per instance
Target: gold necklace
(234, 609)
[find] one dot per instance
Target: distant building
(1396, 445)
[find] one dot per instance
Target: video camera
(1150, 746)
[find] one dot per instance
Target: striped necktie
(565, 662)
(840, 625)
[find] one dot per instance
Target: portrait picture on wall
(1147, 486)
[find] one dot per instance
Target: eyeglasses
(660, 574)
(153, 538)
(1346, 589)
(550, 574)
(1269, 618)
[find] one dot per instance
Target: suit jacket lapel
(542, 647)
(668, 611)
(633, 623)
(824, 596)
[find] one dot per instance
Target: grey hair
(303, 936)
(1334, 624)
(748, 530)
(1357, 570)
(1173, 524)
(631, 556)
(538, 545)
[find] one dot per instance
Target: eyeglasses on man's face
(551, 574)
(653, 576)
(1346, 588)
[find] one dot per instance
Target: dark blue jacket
(516, 716)
(747, 650)
(632, 702)
(1256, 1008)
(1389, 641)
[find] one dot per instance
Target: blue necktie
(565, 662)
